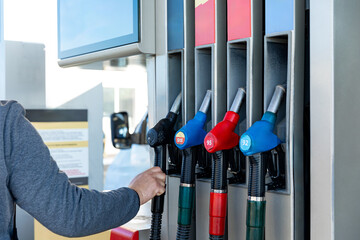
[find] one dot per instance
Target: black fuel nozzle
(158, 137)
(163, 132)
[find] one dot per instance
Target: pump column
(284, 64)
(210, 73)
(181, 77)
(244, 69)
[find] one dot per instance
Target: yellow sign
(200, 2)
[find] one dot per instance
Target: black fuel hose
(256, 203)
(218, 196)
(157, 203)
(219, 172)
(257, 172)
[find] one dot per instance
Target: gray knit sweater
(31, 178)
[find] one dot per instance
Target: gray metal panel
(346, 100)
(24, 224)
(175, 74)
(173, 192)
(188, 85)
(284, 64)
(254, 97)
(151, 80)
(202, 209)
(237, 75)
(25, 73)
(219, 80)
(278, 67)
(322, 119)
(203, 77)
(279, 217)
(237, 202)
(161, 88)
(297, 140)
(145, 45)
(181, 77)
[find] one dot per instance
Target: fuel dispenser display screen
(86, 26)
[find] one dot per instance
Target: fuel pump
(257, 142)
(221, 137)
(158, 137)
(189, 136)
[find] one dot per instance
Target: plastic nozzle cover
(192, 134)
(222, 136)
(260, 137)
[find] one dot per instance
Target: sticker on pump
(180, 138)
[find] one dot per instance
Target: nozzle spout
(176, 104)
(206, 102)
(276, 98)
(239, 97)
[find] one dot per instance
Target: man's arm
(43, 191)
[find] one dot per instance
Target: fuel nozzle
(189, 136)
(222, 136)
(193, 133)
(260, 137)
(162, 132)
(158, 137)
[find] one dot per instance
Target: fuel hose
(158, 137)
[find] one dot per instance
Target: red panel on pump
(204, 22)
(122, 233)
(239, 19)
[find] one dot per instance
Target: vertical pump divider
(245, 69)
(284, 65)
(181, 43)
(210, 73)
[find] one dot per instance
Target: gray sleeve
(41, 189)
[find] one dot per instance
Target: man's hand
(148, 184)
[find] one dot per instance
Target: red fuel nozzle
(222, 136)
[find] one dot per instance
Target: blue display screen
(86, 26)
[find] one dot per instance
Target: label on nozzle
(209, 142)
(245, 143)
(180, 138)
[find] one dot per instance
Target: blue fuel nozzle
(260, 137)
(193, 133)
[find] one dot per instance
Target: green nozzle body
(255, 220)
(186, 203)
